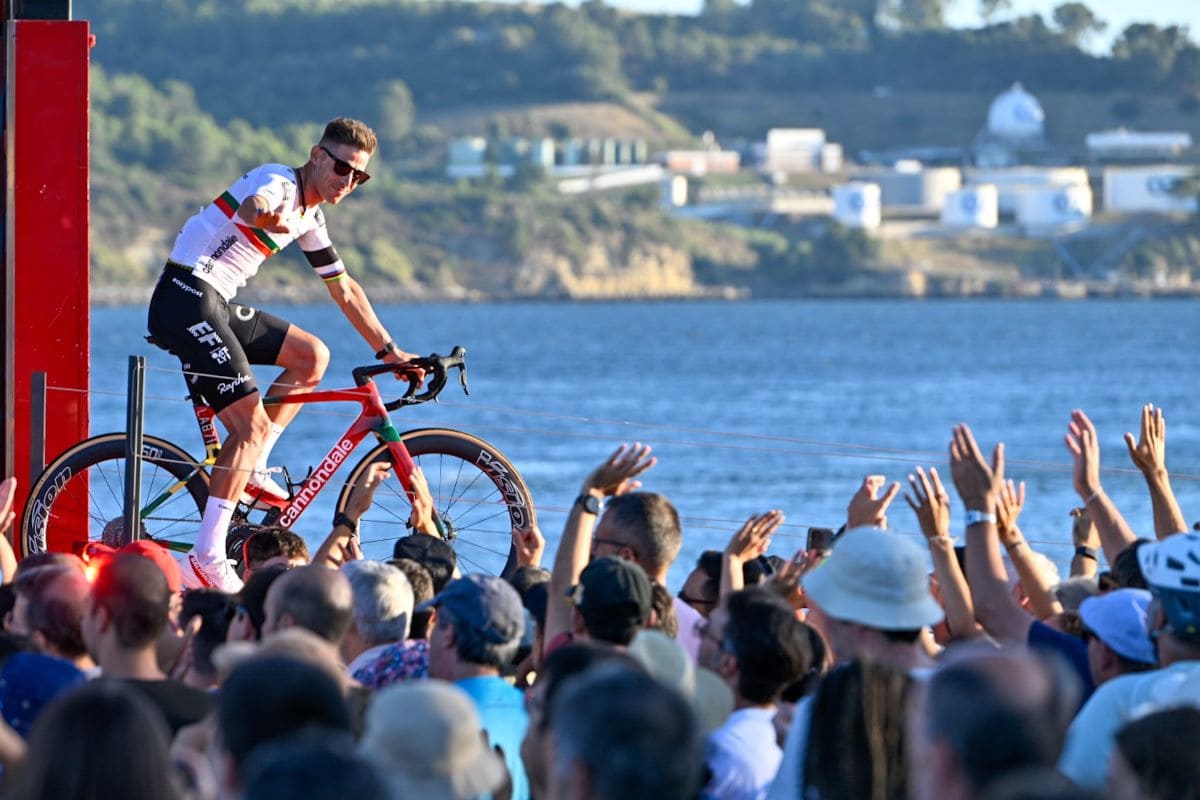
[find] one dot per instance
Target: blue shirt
(1070, 647)
(502, 710)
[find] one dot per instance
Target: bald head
(315, 598)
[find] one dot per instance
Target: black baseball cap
(613, 588)
(430, 552)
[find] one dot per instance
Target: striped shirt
(226, 252)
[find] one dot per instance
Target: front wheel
(477, 492)
(80, 496)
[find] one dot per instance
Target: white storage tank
(857, 205)
(470, 150)
(972, 207)
(1053, 207)
(674, 192)
(915, 189)
(1147, 189)
(1011, 182)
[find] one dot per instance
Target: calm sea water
(751, 406)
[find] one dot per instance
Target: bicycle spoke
(481, 547)
(474, 564)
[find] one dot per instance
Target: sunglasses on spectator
(343, 168)
(695, 601)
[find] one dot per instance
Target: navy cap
(613, 588)
(486, 603)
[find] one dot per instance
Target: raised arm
(1149, 454)
(1086, 542)
(1084, 446)
(1008, 507)
(930, 502)
(342, 543)
(8, 561)
(867, 506)
(979, 485)
(614, 476)
(748, 543)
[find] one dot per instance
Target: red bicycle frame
(372, 418)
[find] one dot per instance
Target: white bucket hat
(425, 738)
(877, 579)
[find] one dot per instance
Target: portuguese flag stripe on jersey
(257, 238)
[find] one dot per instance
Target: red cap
(97, 552)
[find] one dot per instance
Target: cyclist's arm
(353, 302)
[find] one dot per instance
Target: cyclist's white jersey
(225, 252)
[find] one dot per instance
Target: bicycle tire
(89, 479)
(469, 480)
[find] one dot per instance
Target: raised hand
(421, 519)
(786, 581)
(616, 475)
(8, 493)
(1149, 453)
(752, 539)
(867, 507)
(363, 493)
(529, 545)
(977, 482)
(1084, 446)
(930, 502)
(1083, 530)
(1009, 503)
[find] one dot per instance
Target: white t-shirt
(1091, 735)
(687, 637)
(743, 755)
(225, 252)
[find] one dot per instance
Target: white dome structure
(1016, 116)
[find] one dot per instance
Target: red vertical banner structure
(46, 290)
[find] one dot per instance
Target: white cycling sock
(210, 541)
(272, 438)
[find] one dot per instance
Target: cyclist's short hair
(134, 592)
(273, 541)
(352, 132)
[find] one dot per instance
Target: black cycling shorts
(216, 340)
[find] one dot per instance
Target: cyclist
(192, 314)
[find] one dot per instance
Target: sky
(963, 13)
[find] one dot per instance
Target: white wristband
(979, 517)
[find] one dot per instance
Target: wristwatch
(341, 519)
(590, 503)
(977, 517)
(390, 347)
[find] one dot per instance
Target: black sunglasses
(343, 168)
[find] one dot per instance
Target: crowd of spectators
(865, 667)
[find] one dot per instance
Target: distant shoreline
(124, 296)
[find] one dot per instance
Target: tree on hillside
(916, 15)
(1077, 22)
(1150, 50)
(990, 9)
(395, 111)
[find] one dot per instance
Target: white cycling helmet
(1172, 570)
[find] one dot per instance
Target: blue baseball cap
(1118, 619)
(486, 603)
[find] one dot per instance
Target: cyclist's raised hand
(616, 475)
